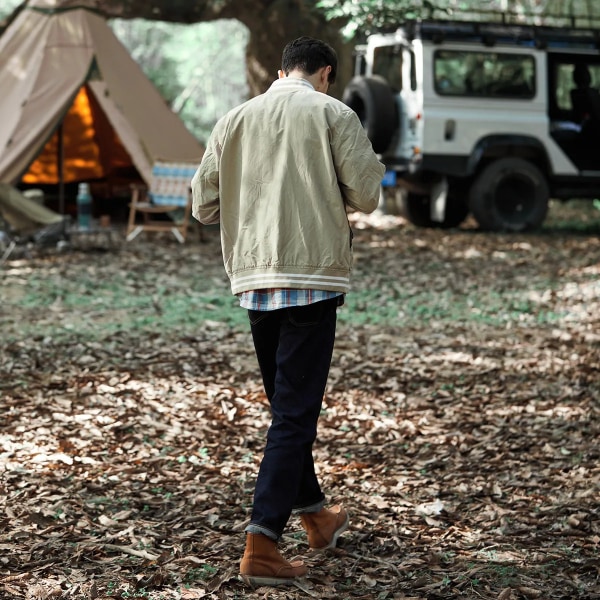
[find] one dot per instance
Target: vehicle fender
(500, 145)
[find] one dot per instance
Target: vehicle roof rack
(495, 32)
(590, 19)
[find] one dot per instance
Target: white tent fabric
(51, 50)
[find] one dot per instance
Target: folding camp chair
(169, 197)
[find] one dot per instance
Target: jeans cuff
(312, 508)
(260, 529)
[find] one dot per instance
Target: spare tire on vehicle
(372, 99)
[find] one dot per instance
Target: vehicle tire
(510, 194)
(457, 210)
(372, 99)
(416, 208)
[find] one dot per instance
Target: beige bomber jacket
(278, 173)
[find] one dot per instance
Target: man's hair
(309, 55)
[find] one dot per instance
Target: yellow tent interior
(92, 148)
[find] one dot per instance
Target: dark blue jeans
(294, 348)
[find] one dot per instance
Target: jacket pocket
(256, 316)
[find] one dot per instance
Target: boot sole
(336, 534)
(253, 581)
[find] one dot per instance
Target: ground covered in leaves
(460, 425)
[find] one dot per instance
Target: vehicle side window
(570, 76)
(484, 74)
(387, 62)
(564, 84)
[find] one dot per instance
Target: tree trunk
(272, 28)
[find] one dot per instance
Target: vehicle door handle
(450, 130)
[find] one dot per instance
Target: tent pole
(60, 164)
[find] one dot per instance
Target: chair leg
(12, 245)
(132, 211)
(177, 233)
(134, 233)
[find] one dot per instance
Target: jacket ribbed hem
(262, 280)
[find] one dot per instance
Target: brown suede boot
(263, 565)
(325, 527)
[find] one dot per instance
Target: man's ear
(281, 74)
(323, 73)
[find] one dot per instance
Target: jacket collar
(290, 83)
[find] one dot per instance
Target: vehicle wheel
(416, 208)
(510, 194)
(457, 210)
(372, 99)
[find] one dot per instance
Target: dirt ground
(459, 427)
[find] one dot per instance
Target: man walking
(279, 173)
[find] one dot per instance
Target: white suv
(489, 119)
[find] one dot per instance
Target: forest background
(205, 62)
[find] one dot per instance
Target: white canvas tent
(74, 105)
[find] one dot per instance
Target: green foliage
(199, 69)
(369, 16)
(7, 7)
(113, 307)
(490, 307)
(201, 573)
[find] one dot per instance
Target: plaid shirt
(275, 298)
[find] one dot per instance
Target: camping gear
(24, 221)
(84, 206)
(75, 106)
(169, 194)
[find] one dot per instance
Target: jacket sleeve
(358, 168)
(205, 184)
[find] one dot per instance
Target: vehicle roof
(492, 33)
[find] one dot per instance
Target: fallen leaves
(461, 434)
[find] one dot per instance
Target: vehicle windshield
(387, 62)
